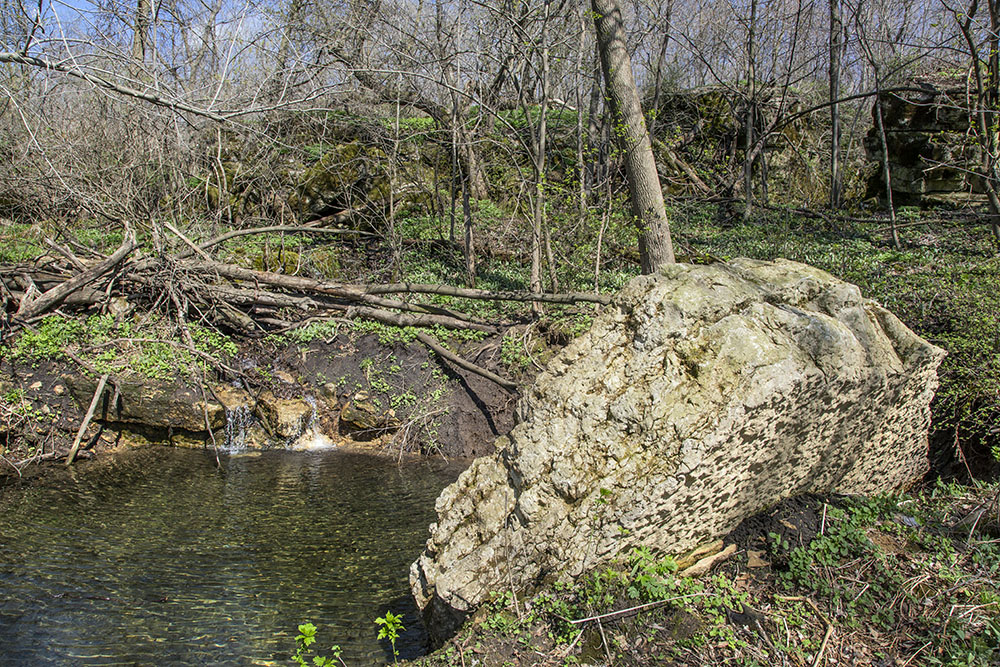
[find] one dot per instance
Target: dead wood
(448, 355)
(53, 297)
(486, 295)
(67, 253)
(188, 242)
(293, 283)
(415, 320)
(358, 292)
(279, 229)
(252, 297)
(252, 302)
(80, 299)
(98, 393)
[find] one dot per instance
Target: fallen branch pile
(192, 286)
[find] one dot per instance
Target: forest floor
(943, 282)
(903, 580)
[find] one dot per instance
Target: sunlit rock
(702, 395)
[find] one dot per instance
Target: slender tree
(645, 195)
(836, 49)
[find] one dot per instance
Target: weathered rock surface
(159, 404)
(284, 418)
(932, 159)
(700, 396)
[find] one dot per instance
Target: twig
(71, 70)
(604, 641)
(822, 617)
(188, 242)
(633, 610)
(86, 420)
(65, 252)
(919, 650)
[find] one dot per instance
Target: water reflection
(159, 557)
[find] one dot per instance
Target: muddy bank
(351, 390)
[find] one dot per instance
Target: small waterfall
(311, 437)
(238, 423)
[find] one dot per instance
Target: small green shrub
(305, 639)
(390, 627)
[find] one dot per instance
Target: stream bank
(908, 579)
(374, 391)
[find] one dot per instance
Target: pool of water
(161, 557)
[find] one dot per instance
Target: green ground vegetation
(944, 282)
(142, 345)
(911, 578)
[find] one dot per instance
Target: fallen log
(53, 297)
(487, 295)
(447, 354)
(352, 291)
(278, 229)
(415, 320)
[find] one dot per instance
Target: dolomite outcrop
(702, 395)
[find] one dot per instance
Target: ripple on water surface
(158, 557)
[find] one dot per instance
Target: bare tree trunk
(992, 104)
(594, 127)
(986, 105)
(870, 56)
(580, 141)
(140, 31)
(550, 261)
(751, 112)
(470, 245)
(886, 172)
(276, 90)
(836, 47)
(661, 61)
(645, 194)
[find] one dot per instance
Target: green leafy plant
(391, 625)
(305, 639)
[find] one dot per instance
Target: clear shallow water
(158, 557)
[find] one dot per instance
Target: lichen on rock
(702, 395)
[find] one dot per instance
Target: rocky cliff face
(700, 396)
(932, 159)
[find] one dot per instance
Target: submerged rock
(702, 395)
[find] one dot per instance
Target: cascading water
(238, 423)
(241, 434)
(311, 437)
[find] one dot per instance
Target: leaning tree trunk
(648, 210)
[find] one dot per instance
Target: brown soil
(449, 411)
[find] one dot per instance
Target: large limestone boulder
(702, 395)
